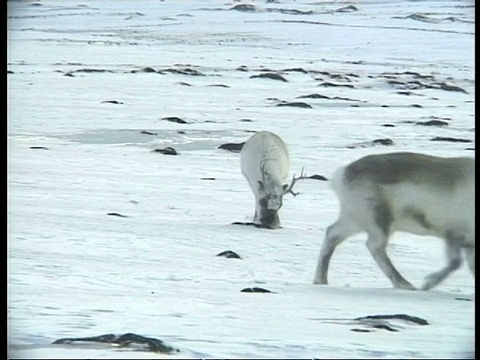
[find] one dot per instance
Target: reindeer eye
(260, 185)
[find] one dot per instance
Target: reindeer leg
(470, 256)
(335, 234)
(454, 256)
(377, 245)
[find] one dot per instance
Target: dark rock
(184, 71)
(472, 149)
(269, 75)
(405, 317)
(245, 8)
(39, 148)
(432, 123)
(144, 70)
(463, 299)
(447, 87)
(229, 254)
(416, 105)
(450, 139)
(117, 214)
(300, 70)
(112, 102)
(256, 290)
(408, 93)
(10, 72)
(386, 142)
(154, 345)
(219, 85)
(438, 118)
(207, 178)
(260, 226)
(388, 125)
(174, 119)
(298, 104)
(360, 330)
(166, 151)
(183, 83)
(90, 71)
(384, 326)
(233, 147)
(318, 177)
(291, 11)
(242, 68)
(147, 132)
(329, 84)
(246, 120)
(347, 9)
(313, 96)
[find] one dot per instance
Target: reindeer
(265, 164)
(409, 192)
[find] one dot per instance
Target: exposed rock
(432, 123)
(386, 142)
(233, 147)
(70, 73)
(300, 70)
(229, 254)
(39, 148)
(219, 85)
(242, 68)
(298, 104)
(313, 96)
(256, 290)
(405, 317)
(112, 102)
(184, 71)
(166, 151)
(144, 70)
(450, 139)
(147, 132)
(329, 84)
(153, 345)
(416, 105)
(175, 119)
(269, 75)
(208, 178)
(117, 214)
(245, 8)
(447, 87)
(388, 125)
(348, 8)
(260, 226)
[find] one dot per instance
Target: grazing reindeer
(409, 192)
(265, 164)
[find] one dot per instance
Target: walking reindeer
(265, 164)
(409, 192)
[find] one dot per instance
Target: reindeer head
(272, 199)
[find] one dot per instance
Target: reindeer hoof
(406, 286)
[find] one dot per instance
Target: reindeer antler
(289, 189)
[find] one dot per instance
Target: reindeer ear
(261, 187)
(284, 187)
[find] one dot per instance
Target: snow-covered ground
(82, 124)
